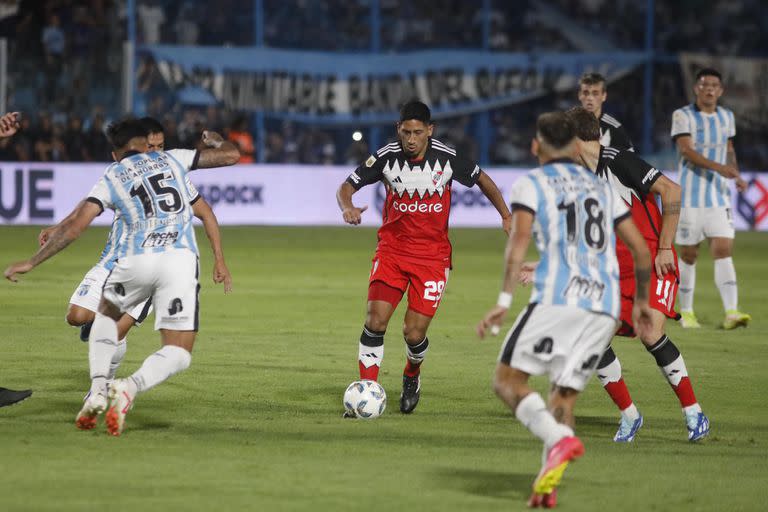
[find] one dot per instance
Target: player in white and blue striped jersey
(156, 257)
(703, 133)
(573, 312)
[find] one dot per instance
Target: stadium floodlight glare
(357, 136)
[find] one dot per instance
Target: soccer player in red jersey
(413, 251)
(638, 183)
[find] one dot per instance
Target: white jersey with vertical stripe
(574, 216)
(152, 197)
(704, 188)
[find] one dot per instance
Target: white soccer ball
(365, 399)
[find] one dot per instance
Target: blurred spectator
(241, 136)
(53, 44)
(151, 18)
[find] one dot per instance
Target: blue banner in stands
(368, 88)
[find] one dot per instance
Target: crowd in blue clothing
(66, 64)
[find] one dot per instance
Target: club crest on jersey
(437, 174)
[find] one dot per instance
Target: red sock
(684, 392)
(619, 394)
(411, 369)
(370, 373)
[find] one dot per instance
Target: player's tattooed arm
(670, 194)
(218, 152)
(65, 233)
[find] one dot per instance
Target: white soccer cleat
(121, 399)
(93, 406)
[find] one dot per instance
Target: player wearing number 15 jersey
(156, 255)
(413, 252)
(638, 183)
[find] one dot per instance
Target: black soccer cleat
(85, 331)
(409, 398)
(10, 397)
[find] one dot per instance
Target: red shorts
(661, 297)
(425, 281)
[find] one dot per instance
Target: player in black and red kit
(592, 94)
(413, 251)
(638, 183)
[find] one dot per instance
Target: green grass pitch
(255, 423)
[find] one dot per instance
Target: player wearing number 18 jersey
(574, 308)
(413, 251)
(638, 183)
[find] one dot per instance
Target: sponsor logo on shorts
(119, 289)
(175, 306)
(590, 363)
(83, 290)
(544, 346)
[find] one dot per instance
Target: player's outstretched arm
(670, 194)
(45, 233)
(9, 124)
(351, 214)
(688, 151)
(218, 152)
(514, 254)
(492, 192)
(204, 212)
(641, 312)
(65, 233)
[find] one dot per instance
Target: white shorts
(696, 224)
(565, 342)
(88, 294)
(169, 278)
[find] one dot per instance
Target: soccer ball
(365, 399)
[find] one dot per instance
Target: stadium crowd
(66, 61)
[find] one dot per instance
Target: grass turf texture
(255, 423)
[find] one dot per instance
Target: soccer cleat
(409, 398)
(734, 319)
(10, 397)
(543, 500)
(628, 429)
(563, 452)
(688, 320)
(698, 426)
(93, 406)
(85, 331)
(120, 402)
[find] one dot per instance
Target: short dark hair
(585, 123)
(592, 79)
(556, 129)
(417, 110)
(121, 132)
(152, 125)
(708, 72)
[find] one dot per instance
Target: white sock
(533, 413)
(102, 345)
(117, 358)
(161, 365)
(687, 286)
(725, 279)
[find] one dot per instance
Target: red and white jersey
(418, 203)
(632, 178)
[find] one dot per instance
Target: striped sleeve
(681, 124)
(524, 196)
